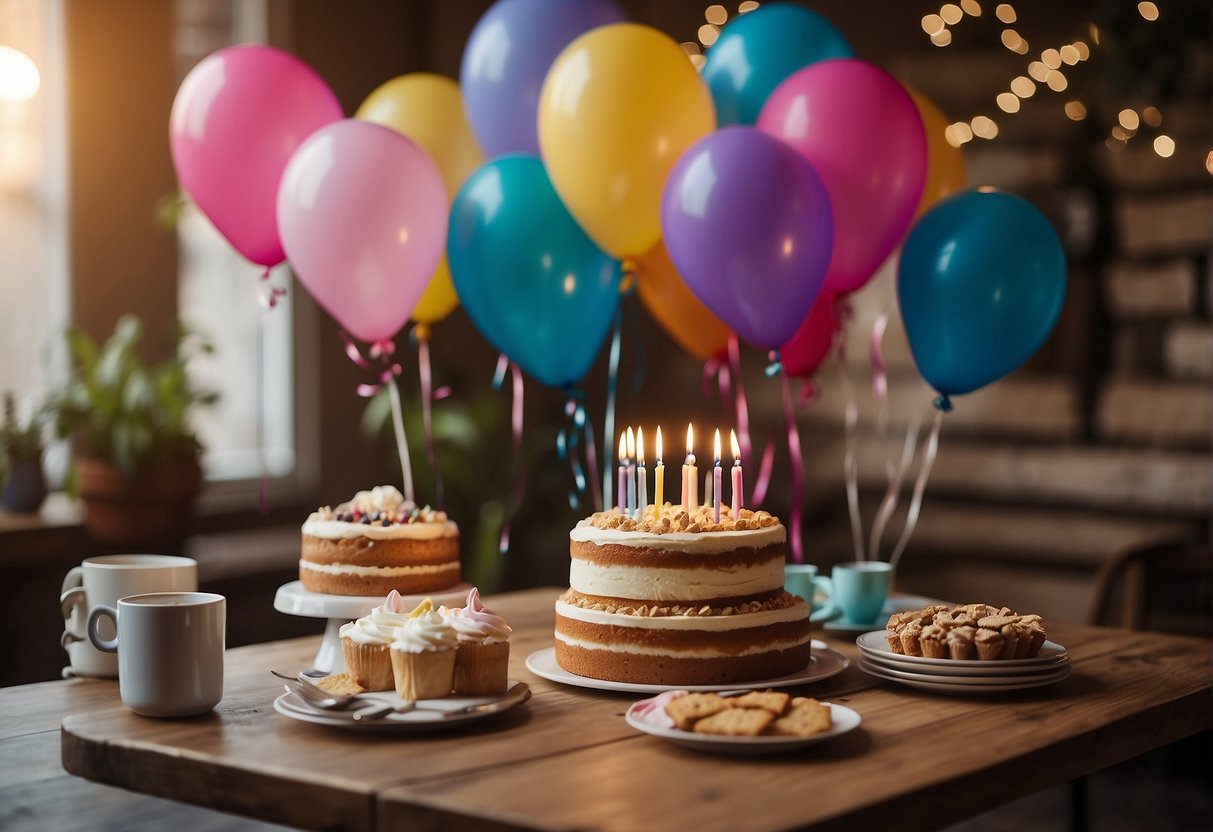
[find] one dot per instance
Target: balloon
(358, 219)
(675, 307)
(530, 279)
(748, 224)
(803, 354)
(860, 130)
(945, 163)
(980, 283)
(427, 108)
(619, 106)
(759, 49)
(236, 120)
(505, 61)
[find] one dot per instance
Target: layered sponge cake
(680, 600)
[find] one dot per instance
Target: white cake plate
(293, 599)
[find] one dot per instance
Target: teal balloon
(981, 282)
(533, 283)
(757, 50)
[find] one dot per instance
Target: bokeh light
(932, 24)
(1152, 116)
(1148, 10)
(1076, 110)
(1038, 71)
(971, 7)
(1164, 146)
(708, 34)
(1005, 13)
(1056, 81)
(984, 127)
(941, 38)
(19, 79)
(1128, 119)
(1008, 102)
(1069, 54)
(951, 13)
(1023, 86)
(716, 14)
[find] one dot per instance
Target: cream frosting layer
(688, 653)
(428, 632)
(379, 627)
(317, 526)
(349, 569)
(681, 623)
(644, 583)
(704, 543)
(477, 624)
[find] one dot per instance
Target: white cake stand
(293, 599)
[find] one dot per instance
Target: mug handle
(94, 621)
(829, 611)
(73, 578)
(72, 603)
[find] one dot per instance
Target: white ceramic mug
(103, 580)
(170, 651)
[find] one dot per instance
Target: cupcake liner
(425, 675)
(368, 664)
(481, 669)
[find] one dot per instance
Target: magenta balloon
(747, 222)
(862, 133)
(236, 120)
(363, 217)
(804, 352)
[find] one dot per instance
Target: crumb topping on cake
(383, 505)
(576, 599)
(674, 519)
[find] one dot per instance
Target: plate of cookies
(750, 722)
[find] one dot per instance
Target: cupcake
(960, 643)
(482, 660)
(1010, 640)
(989, 644)
(365, 643)
(910, 639)
(934, 641)
(423, 654)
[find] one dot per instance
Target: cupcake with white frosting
(482, 660)
(365, 643)
(423, 654)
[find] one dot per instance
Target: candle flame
(640, 445)
(736, 447)
(659, 444)
(631, 443)
(623, 448)
(716, 446)
(690, 439)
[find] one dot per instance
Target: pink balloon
(363, 216)
(860, 129)
(236, 120)
(804, 351)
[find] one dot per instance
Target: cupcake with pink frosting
(365, 643)
(482, 660)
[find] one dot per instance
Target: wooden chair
(1166, 586)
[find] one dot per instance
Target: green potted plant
(135, 455)
(24, 485)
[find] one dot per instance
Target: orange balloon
(945, 163)
(675, 307)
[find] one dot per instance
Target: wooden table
(567, 759)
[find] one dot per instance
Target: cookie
(341, 684)
(769, 700)
(806, 718)
(736, 722)
(686, 709)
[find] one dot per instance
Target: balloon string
(893, 491)
(425, 373)
(402, 445)
(711, 372)
(608, 419)
(920, 485)
(850, 464)
(268, 295)
(568, 441)
(797, 458)
(743, 412)
(518, 463)
(263, 489)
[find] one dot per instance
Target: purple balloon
(508, 56)
(748, 223)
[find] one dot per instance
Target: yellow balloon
(945, 163)
(428, 109)
(618, 107)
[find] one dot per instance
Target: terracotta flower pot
(156, 507)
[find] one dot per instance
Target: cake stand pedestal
(293, 599)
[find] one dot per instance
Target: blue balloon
(756, 51)
(530, 279)
(981, 281)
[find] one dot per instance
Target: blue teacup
(860, 589)
(802, 579)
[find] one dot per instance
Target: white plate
(899, 603)
(1052, 675)
(293, 706)
(825, 663)
(943, 684)
(992, 670)
(844, 719)
(876, 643)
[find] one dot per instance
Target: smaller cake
(934, 641)
(423, 654)
(482, 660)
(365, 643)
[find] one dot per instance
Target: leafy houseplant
(21, 476)
(136, 457)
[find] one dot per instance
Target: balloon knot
(382, 349)
(420, 333)
(776, 366)
(627, 283)
(943, 404)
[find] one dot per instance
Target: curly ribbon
(421, 336)
(608, 419)
(268, 295)
(850, 465)
(381, 352)
(796, 456)
(518, 463)
(572, 435)
(894, 476)
(942, 405)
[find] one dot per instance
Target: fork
(320, 698)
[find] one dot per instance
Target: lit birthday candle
(642, 477)
(690, 474)
(622, 491)
(736, 475)
(659, 484)
(716, 478)
(631, 472)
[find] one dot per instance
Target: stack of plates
(960, 676)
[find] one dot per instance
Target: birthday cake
(377, 542)
(680, 600)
